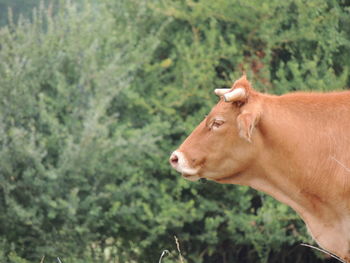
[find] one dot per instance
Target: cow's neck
(326, 222)
(299, 167)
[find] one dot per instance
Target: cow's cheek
(233, 153)
(218, 159)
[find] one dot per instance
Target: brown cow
(294, 147)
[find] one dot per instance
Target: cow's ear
(246, 123)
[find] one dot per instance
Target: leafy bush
(95, 96)
(64, 150)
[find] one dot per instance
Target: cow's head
(223, 144)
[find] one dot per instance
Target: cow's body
(293, 147)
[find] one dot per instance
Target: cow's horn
(235, 95)
(221, 92)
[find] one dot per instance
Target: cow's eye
(217, 123)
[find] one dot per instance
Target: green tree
(16, 8)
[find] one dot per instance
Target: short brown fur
(293, 147)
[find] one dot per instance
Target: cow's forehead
(222, 108)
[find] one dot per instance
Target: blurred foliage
(93, 98)
(13, 10)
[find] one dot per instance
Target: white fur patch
(182, 166)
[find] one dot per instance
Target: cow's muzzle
(179, 162)
(174, 160)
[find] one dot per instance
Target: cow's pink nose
(174, 160)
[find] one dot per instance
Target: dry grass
(165, 252)
(181, 259)
(178, 249)
(324, 251)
